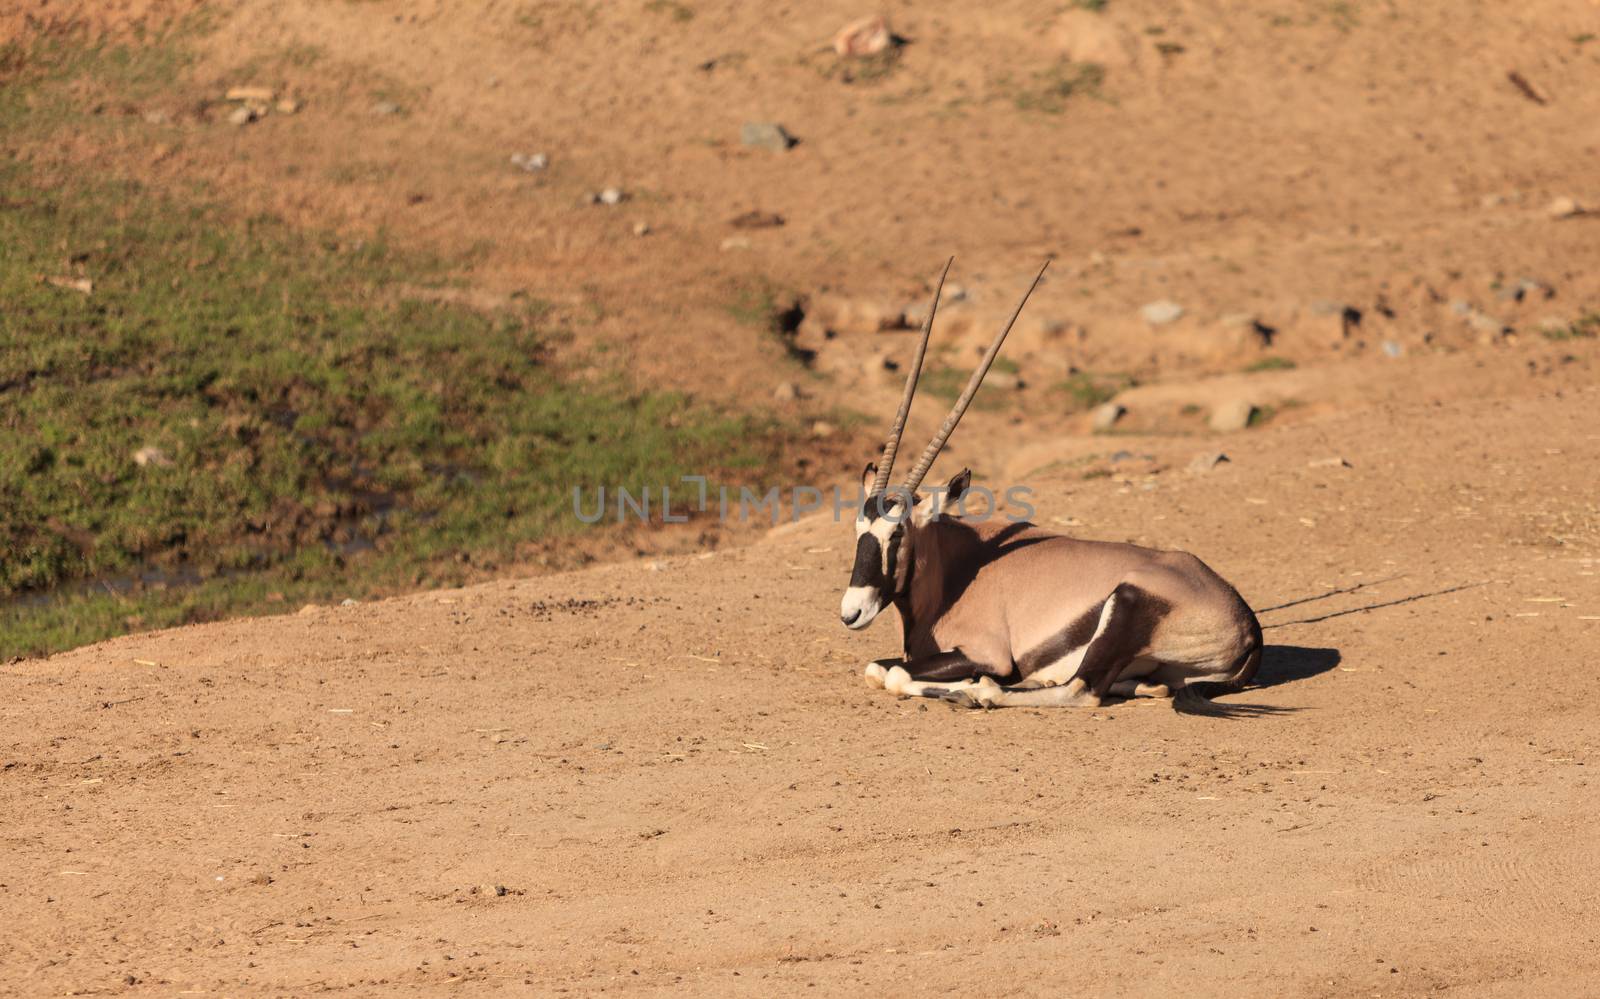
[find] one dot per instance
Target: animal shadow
(1282, 664)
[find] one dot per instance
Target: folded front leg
(932, 676)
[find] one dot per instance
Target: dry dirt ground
(667, 777)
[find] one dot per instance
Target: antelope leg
(1073, 695)
(1138, 688)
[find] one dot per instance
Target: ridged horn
(892, 443)
(937, 444)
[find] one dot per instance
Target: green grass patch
(1050, 90)
(1086, 390)
(1585, 327)
(682, 13)
(1270, 364)
(301, 419)
(948, 383)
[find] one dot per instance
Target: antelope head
(889, 519)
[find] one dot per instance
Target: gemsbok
(1002, 614)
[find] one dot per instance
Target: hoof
(977, 696)
(896, 681)
(961, 699)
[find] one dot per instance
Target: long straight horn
(892, 444)
(937, 444)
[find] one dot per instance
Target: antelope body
(1002, 613)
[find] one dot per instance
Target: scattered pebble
(157, 117)
(612, 196)
(735, 243)
(1106, 416)
(1554, 324)
(385, 108)
(765, 135)
(1207, 461)
(1334, 462)
(256, 95)
(1523, 289)
(151, 455)
(1393, 348)
(243, 115)
(1564, 208)
(1486, 324)
(786, 392)
(532, 164)
(865, 37)
(348, 602)
(822, 428)
(1235, 414)
(287, 105)
(641, 228)
(81, 285)
(1161, 313)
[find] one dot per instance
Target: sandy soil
(676, 776)
(667, 777)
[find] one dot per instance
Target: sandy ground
(667, 777)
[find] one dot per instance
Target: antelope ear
(869, 475)
(932, 506)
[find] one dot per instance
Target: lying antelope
(1006, 614)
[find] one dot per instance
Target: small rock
(256, 95)
(385, 108)
(1106, 416)
(865, 37)
(765, 135)
(287, 106)
(532, 164)
(1205, 462)
(612, 196)
(1564, 208)
(348, 602)
(1461, 307)
(1486, 324)
(786, 392)
(641, 228)
(822, 428)
(1554, 324)
(1334, 462)
(1524, 289)
(735, 243)
(757, 220)
(1005, 381)
(150, 455)
(1242, 330)
(157, 117)
(243, 115)
(1235, 414)
(81, 285)
(1161, 313)
(1393, 348)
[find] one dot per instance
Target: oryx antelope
(1005, 614)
